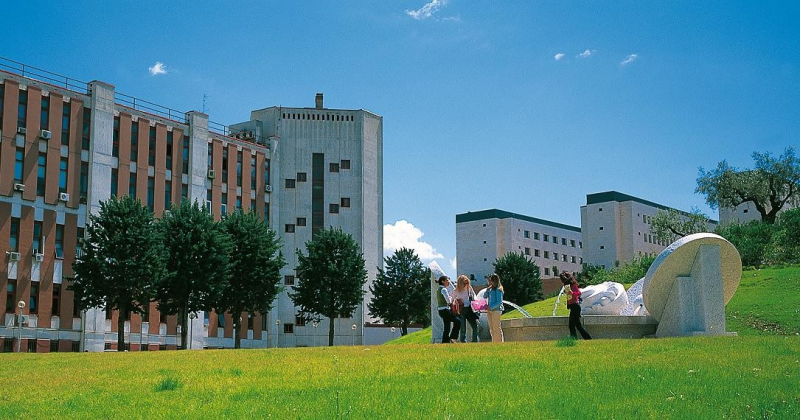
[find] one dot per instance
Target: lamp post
(20, 305)
(354, 333)
(192, 317)
(315, 324)
(277, 325)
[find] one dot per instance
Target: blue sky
(525, 106)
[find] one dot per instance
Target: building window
(580, 245)
(288, 328)
(11, 290)
(19, 160)
(221, 320)
(526, 234)
(168, 195)
(79, 242)
(602, 247)
(289, 228)
(45, 117)
(555, 256)
(62, 174)
(87, 128)
(546, 238)
(224, 205)
(535, 252)
(601, 228)
(238, 168)
(345, 164)
(564, 257)
(65, 123)
(334, 167)
(59, 241)
(13, 239)
(266, 213)
(114, 181)
(536, 235)
(185, 156)
(572, 243)
(546, 271)
(184, 192)
(33, 305)
(301, 177)
(225, 164)
(333, 209)
(31, 344)
(1, 104)
(151, 187)
(289, 183)
(301, 221)
(600, 209)
(132, 186)
(37, 237)
(134, 141)
(266, 172)
(547, 254)
(555, 239)
(115, 146)
(300, 321)
(56, 306)
(84, 180)
(288, 280)
(527, 251)
(252, 173)
(345, 202)
(168, 158)
(564, 241)
(41, 171)
(22, 109)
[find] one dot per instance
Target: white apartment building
(747, 212)
(328, 167)
(484, 236)
(616, 228)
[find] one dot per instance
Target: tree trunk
(404, 328)
(184, 320)
(330, 331)
(121, 329)
(237, 328)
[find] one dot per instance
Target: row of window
(41, 172)
(224, 204)
(318, 117)
(555, 255)
(33, 299)
(239, 161)
(650, 239)
(303, 176)
(37, 246)
(547, 238)
(151, 148)
(8, 346)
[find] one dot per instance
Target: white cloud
(157, 68)
(427, 10)
(584, 54)
(403, 234)
(454, 264)
(629, 59)
(559, 56)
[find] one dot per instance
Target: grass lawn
(753, 375)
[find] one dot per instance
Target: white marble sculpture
(689, 284)
(607, 298)
(635, 306)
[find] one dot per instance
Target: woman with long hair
(444, 300)
(465, 294)
(573, 293)
(494, 294)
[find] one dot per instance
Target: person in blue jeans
(494, 294)
(443, 301)
(465, 294)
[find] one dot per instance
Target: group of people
(456, 308)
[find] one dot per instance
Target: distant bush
(784, 248)
(628, 273)
(752, 239)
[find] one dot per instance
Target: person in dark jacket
(443, 301)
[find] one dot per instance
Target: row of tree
(186, 262)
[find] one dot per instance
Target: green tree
(255, 268)
(520, 277)
(751, 239)
(669, 225)
(401, 293)
(198, 251)
(772, 184)
(592, 274)
(785, 244)
(122, 259)
(331, 277)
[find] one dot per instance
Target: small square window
(484, 225)
(288, 280)
(602, 247)
(289, 228)
(572, 243)
(564, 241)
(555, 256)
(600, 209)
(572, 259)
(536, 235)
(484, 242)
(345, 202)
(289, 183)
(526, 234)
(546, 238)
(535, 252)
(527, 251)
(301, 177)
(299, 321)
(333, 209)
(484, 259)
(564, 257)
(334, 167)
(555, 239)
(546, 271)
(601, 228)
(301, 221)
(580, 245)
(346, 164)
(288, 328)
(745, 210)
(547, 254)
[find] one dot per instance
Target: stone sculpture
(607, 298)
(635, 306)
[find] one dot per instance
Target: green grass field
(754, 375)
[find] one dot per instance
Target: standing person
(443, 300)
(494, 295)
(465, 294)
(573, 296)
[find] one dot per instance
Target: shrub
(785, 244)
(752, 239)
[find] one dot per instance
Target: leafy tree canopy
(669, 225)
(520, 278)
(401, 293)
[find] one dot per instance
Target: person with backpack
(494, 294)
(573, 293)
(464, 294)
(443, 302)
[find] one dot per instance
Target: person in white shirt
(444, 300)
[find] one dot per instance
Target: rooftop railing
(55, 79)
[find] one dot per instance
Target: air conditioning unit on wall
(22, 130)
(268, 188)
(63, 197)
(45, 135)
(19, 187)
(38, 257)
(212, 174)
(14, 256)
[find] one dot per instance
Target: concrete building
(747, 212)
(65, 146)
(483, 236)
(616, 228)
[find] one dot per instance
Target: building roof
(501, 214)
(604, 197)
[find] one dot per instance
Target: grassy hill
(753, 375)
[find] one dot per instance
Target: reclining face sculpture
(606, 298)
